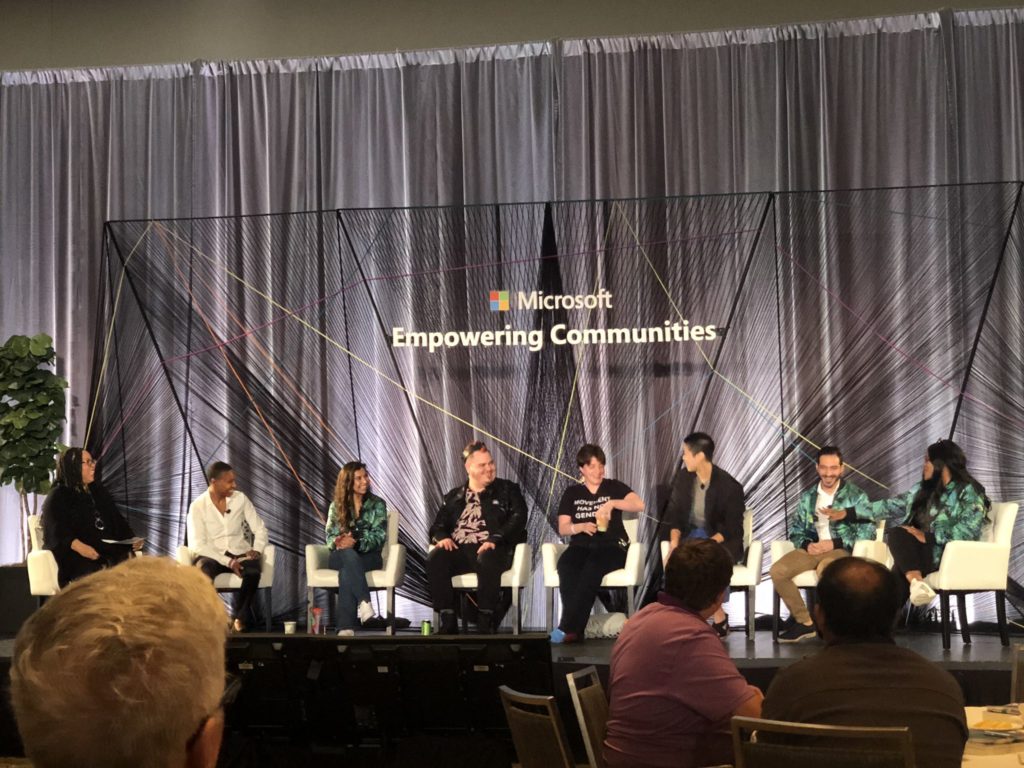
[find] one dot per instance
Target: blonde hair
(120, 668)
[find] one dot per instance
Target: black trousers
(580, 571)
(488, 567)
(908, 554)
(251, 571)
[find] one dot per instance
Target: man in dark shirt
(862, 677)
(476, 530)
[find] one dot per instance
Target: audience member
(862, 678)
(123, 669)
(673, 687)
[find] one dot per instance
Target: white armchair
(977, 566)
(872, 549)
(388, 578)
(746, 575)
(516, 578)
(229, 582)
(42, 566)
(629, 577)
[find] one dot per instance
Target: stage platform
(410, 699)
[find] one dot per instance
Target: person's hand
(345, 541)
(83, 549)
(236, 566)
(917, 533)
(819, 547)
(588, 528)
(835, 515)
(252, 554)
(719, 538)
(484, 547)
(137, 545)
(447, 544)
(604, 512)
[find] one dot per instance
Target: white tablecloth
(974, 714)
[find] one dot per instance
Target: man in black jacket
(706, 502)
(475, 530)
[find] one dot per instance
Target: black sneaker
(449, 624)
(797, 633)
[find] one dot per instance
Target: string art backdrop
(878, 320)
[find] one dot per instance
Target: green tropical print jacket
(370, 530)
(959, 515)
(857, 525)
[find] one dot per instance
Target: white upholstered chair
(629, 577)
(746, 575)
(977, 566)
(389, 577)
(42, 566)
(872, 549)
(229, 582)
(516, 578)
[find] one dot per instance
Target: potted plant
(31, 419)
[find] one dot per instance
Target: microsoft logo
(499, 301)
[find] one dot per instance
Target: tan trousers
(792, 565)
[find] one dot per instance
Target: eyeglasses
(232, 685)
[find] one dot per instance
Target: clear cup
(602, 524)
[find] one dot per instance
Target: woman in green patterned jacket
(357, 527)
(947, 505)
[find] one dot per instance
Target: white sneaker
(921, 593)
(365, 612)
(346, 633)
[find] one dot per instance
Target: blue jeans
(352, 589)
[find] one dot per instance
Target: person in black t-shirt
(591, 513)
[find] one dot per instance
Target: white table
(974, 714)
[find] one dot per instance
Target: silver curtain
(924, 99)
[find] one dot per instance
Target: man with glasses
(81, 524)
(228, 536)
(476, 530)
(124, 667)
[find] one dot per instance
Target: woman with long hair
(357, 527)
(80, 519)
(947, 505)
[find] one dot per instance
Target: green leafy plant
(32, 417)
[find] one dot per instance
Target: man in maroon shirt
(674, 689)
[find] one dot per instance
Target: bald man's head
(858, 599)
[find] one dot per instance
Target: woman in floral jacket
(357, 527)
(947, 505)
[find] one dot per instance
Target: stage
(376, 700)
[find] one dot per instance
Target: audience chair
(42, 566)
(746, 575)
(871, 549)
(977, 566)
(800, 745)
(591, 707)
(629, 577)
(516, 578)
(388, 578)
(537, 730)
(229, 582)
(1017, 678)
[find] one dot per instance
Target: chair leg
(1004, 633)
(310, 596)
(518, 626)
(268, 606)
(944, 610)
(751, 617)
(630, 600)
(549, 608)
(390, 592)
(775, 616)
(463, 611)
(961, 609)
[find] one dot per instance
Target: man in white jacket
(228, 536)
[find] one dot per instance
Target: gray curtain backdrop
(923, 99)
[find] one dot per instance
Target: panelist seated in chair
(228, 536)
(357, 526)
(818, 540)
(947, 505)
(862, 678)
(476, 530)
(673, 687)
(706, 502)
(591, 513)
(80, 519)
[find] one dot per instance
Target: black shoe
(797, 633)
(721, 627)
(375, 622)
(449, 623)
(485, 622)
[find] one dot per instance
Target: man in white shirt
(227, 536)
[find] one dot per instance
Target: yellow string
(765, 409)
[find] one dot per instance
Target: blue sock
(557, 636)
